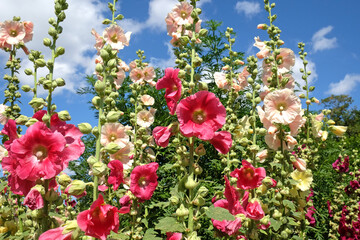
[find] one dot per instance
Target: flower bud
(63, 179)
(60, 82)
(199, 201)
(182, 211)
(100, 86)
(200, 150)
(59, 51)
(64, 115)
(324, 135)
(112, 148)
(91, 161)
(76, 188)
(174, 200)
(338, 130)
(30, 122)
(40, 62)
(113, 116)
(21, 120)
(190, 182)
(85, 128)
(203, 32)
(28, 71)
(51, 195)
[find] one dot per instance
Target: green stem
(98, 146)
(191, 191)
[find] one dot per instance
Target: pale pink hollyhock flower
(137, 75)
(124, 66)
(220, 80)
(242, 79)
(3, 152)
(115, 37)
(13, 32)
(144, 181)
(162, 135)
(3, 118)
(287, 57)
(182, 13)
(119, 79)
(123, 155)
(55, 233)
(265, 92)
(319, 117)
(116, 176)
(254, 210)
(34, 199)
(300, 164)
(171, 24)
(114, 132)
(298, 123)
(267, 124)
(29, 26)
(291, 141)
(264, 50)
(222, 141)
(273, 141)
(132, 65)
(282, 106)
(147, 100)
(145, 118)
(201, 115)
(262, 155)
(173, 236)
(248, 177)
(99, 220)
(149, 74)
(175, 38)
(3, 43)
(99, 41)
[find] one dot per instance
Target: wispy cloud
(321, 42)
(346, 85)
(248, 8)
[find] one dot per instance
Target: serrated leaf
(169, 224)
(289, 204)
(220, 214)
(150, 234)
(275, 224)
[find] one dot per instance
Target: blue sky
(328, 27)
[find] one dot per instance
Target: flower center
(13, 33)
(114, 38)
(142, 182)
(183, 14)
(281, 107)
(199, 116)
(112, 137)
(249, 173)
(40, 152)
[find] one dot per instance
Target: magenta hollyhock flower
(125, 203)
(222, 141)
(34, 200)
(116, 176)
(201, 115)
(329, 208)
(248, 176)
(11, 131)
(144, 181)
(19, 186)
(234, 206)
(254, 211)
(172, 84)
(309, 215)
(55, 233)
(99, 220)
(173, 236)
(341, 166)
(162, 135)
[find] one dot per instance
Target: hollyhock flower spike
(99, 220)
(247, 176)
(144, 181)
(201, 115)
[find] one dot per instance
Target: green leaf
(296, 238)
(289, 204)
(275, 224)
(119, 236)
(3, 185)
(150, 234)
(298, 215)
(169, 224)
(292, 222)
(220, 214)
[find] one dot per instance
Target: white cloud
(321, 42)
(76, 37)
(164, 63)
(248, 8)
(298, 75)
(346, 85)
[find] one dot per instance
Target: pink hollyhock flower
(298, 123)
(149, 74)
(12, 31)
(309, 215)
(234, 206)
(123, 155)
(3, 118)
(273, 141)
(267, 124)
(120, 76)
(116, 133)
(172, 85)
(10, 130)
(220, 80)
(264, 50)
(300, 164)
(262, 155)
(99, 41)
(182, 13)
(144, 181)
(34, 199)
(287, 58)
(341, 166)
(242, 80)
(116, 176)
(137, 75)
(29, 26)
(222, 141)
(254, 211)
(173, 236)
(248, 176)
(162, 135)
(147, 100)
(125, 203)
(3, 43)
(115, 37)
(282, 106)
(103, 188)
(124, 66)
(201, 115)
(19, 186)
(145, 118)
(56, 233)
(171, 24)
(99, 220)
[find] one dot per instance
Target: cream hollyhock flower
(145, 118)
(338, 130)
(282, 106)
(303, 178)
(147, 100)
(114, 132)
(115, 37)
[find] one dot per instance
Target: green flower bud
(77, 187)
(59, 51)
(39, 188)
(113, 116)
(30, 122)
(104, 54)
(203, 191)
(96, 101)
(91, 160)
(199, 201)
(203, 32)
(100, 86)
(64, 115)
(47, 42)
(26, 88)
(99, 68)
(46, 118)
(112, 63)
(95, 131)
(52, 32)
(190, 182)
(182, 211)
(70, 226)
(51, 195)
(40, 62)
(112, 148)
(28, 71)
(174, 200)
(85, 128)
(47, 84)
(21, 120)
(203, 86)
(60, 82)
(63, 179)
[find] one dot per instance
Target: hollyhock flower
(309, 215)
(147, 100)
(182, 13)
(287, 58)
(99, 220)
(248, 176)
(173, 236)
(116, 133)
(12, 31)
(144, 181)
(145, 118)
(329, 208)
(267, 124)
(10, 130)
(34, 200)
(162, 135)
(264, 50)
(242, 79)
(222, 141)
(99, 41)
(120, 76)
(115, 37)
(123, 155)
(55, 233)
(124, 66)
(338, 130)
(220, 80)
(3, 118)
(282, 106)
(254, 210)
(290, 141)
(341, 166)
(116, 176)
(303, 178)
(171, 24)
(125, 203)
(201, 115)
(29, 26)
(234, 206)
(149, 74)
(172, 84)
(19, 186)
(298, 123)
(137, 75)
(300, 164)
(262, 155)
